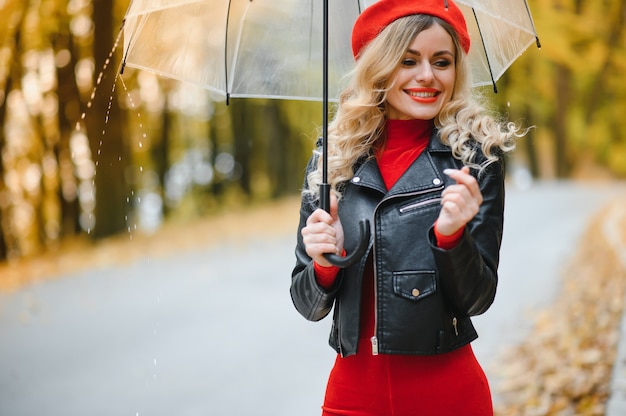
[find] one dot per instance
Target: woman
(411, 150)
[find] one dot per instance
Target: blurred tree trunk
(69, 111)
(217, 186)
(104, 125)
(3, 191)
(280, 157)
(161, 149)
(598, 90)
(243, 121)
(12, 26)
(563, 97)
(531, 149)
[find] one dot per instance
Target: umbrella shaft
(325, 188)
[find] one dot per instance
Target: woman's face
(425, 80)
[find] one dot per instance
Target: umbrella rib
(482, 41)
(532, 23)
(233, 68)
(312, 14)
(123, 64)
(226, 53)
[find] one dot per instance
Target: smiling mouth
(423, 94)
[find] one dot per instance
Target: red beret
(377, 16)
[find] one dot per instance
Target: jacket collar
(421, 174)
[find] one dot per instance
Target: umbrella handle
(364, 235)
(359, 251)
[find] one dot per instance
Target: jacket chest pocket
(414, 285)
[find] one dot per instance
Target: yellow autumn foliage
(576, 80)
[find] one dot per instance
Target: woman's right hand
(323, 233)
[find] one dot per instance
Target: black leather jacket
(424, 294)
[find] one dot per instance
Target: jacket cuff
(325, 276)
(447, 242)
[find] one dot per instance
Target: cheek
(449, 82)
(450, 79)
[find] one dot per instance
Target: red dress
(451, 384)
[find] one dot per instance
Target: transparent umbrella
(274, 48)
(294, 49)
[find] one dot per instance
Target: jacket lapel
(420, 175)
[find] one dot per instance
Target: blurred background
(88, 153)
(91, 160)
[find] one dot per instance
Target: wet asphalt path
(214, 332)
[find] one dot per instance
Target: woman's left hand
(460, 202)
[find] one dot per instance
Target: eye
(408, 62)
(442, 63)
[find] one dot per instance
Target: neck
(403, 131)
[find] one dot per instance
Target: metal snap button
(415, 292)
(437, 181)
(356, 179)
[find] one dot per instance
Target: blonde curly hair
(357, 129)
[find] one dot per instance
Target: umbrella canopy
(273, 48)
(241, 48)
(294, 49)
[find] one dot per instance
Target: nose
(424, 73)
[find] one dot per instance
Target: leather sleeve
(469, 271)
(310, 299)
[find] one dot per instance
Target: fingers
(319, 237)
(460, 202)
(468, 184)
(323, 233)
(319, 231)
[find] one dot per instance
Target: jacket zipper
(454, 324)
(374, 338)
(339, 329)
(418, 204)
